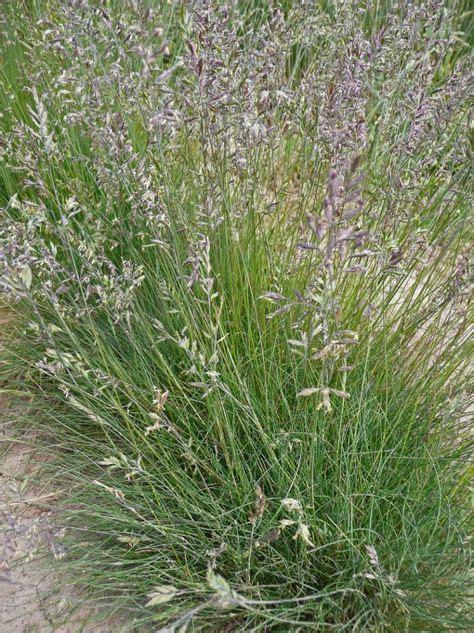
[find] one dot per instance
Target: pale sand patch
(31, 599)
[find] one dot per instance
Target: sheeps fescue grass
(234, 243)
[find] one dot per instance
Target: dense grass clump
(234, 244)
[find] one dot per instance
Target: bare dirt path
(31, 598)
(25, 531)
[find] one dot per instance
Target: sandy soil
(31, 599)
(25, 530)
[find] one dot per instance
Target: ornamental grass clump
(235, 245)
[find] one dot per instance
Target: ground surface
(26, 529)
(31, 598)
